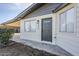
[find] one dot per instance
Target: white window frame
(66, 21)
(30, 29)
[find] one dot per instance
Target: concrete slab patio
(54, 49)
(17, 49)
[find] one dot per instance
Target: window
(63, 22)
(33, 26)
(27, 26)
(30, 26)
(67, 21)
(70, 20)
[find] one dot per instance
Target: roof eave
(24, 13)
(62, 5)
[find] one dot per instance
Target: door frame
(42, 30)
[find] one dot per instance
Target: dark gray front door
(47, 29)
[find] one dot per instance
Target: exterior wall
(69, 41)
(43, 12)
(36, 36)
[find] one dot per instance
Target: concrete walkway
(54, 49)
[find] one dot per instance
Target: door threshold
(47, 42)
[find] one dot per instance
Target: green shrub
(5, 35)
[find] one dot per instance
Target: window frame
(30, 26)
(66, 20)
